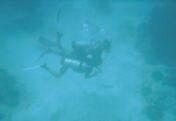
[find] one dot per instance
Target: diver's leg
(88, 73)
(54, 73)
(62, 71)
(91, 73)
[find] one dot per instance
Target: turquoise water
(137, 81)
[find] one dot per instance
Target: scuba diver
(84, 58)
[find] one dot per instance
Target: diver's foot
(44, 66)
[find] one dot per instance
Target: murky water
(137, 78)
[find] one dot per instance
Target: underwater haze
(137, 81)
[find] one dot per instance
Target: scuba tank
(76, 64)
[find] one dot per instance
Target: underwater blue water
(137, 80)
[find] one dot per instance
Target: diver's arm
(58, 42)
